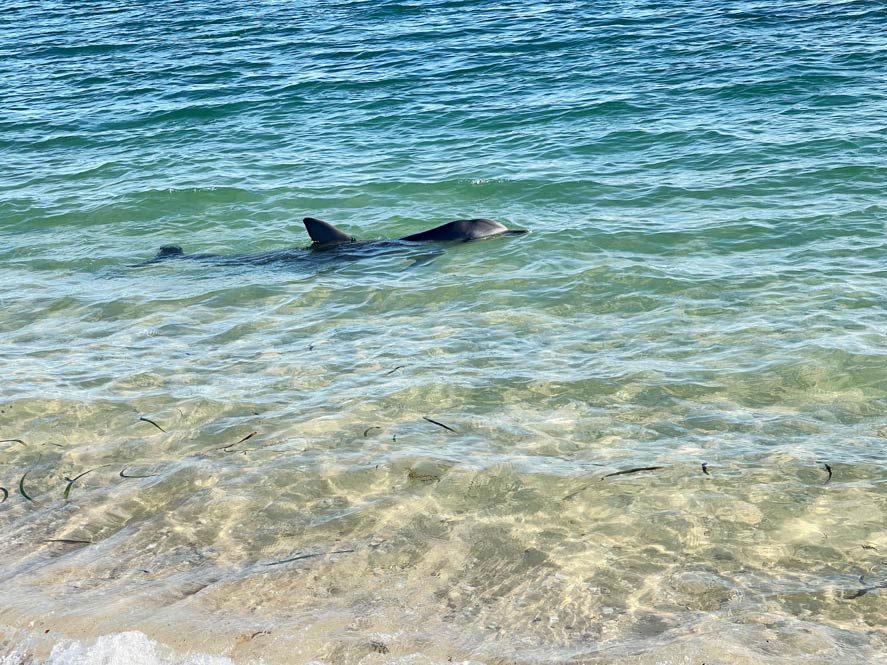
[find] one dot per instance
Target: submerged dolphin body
(325, 236)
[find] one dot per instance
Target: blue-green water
(704, 285)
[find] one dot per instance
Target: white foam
(130, 648)
(136, 648)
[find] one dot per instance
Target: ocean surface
(652, 431)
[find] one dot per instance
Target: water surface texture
(702, 296)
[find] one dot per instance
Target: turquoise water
(704, 284)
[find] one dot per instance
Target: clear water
(704, 284)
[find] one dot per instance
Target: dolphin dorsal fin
(324, 233)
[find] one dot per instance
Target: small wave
(129, 648)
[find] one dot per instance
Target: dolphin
(325, 236)
(324, 233)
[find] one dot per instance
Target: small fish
(705, 469)
(829, 469)
(853, 595)
(5, 494)
(231, 445)
(148, 420)
(124, 475)
(295, 558)
(307, 556)
(21, 487)
(68, 541)
(72, 480)
(438, 424)
(13, 441)
(577, 492)
(370, 429)
(637, 470)
(393, 371)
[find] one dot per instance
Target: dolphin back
(465, 229)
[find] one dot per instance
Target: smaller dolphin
(325, 236)
(323, 233)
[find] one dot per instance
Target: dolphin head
(323, 233)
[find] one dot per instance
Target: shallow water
(702, 292)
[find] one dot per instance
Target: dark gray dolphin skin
(324, 233)
(325, 236)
